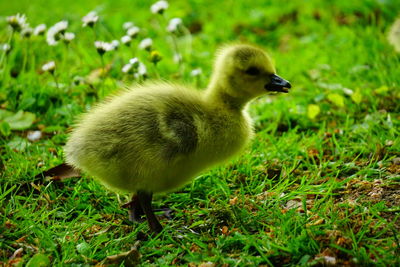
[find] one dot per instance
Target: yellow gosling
(156, 137)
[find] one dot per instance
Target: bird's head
(246, 71)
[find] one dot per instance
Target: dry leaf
(207, 264)
(225, 230)
(317, 222)
(313, 153)
(194, 248)
(14, 262)
(130, 258)
(8, 224)
(293, 204)
(17, 253)
(233, 201)
(95, 75)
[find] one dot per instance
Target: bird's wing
(180, 133)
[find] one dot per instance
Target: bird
(155, 137)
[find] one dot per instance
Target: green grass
(305, 190)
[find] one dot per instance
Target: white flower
(115, 44)
(60, 27)
(103, 47)
(34, 135)
(127, 68)
(146, 44)
(68, 37)
(133, 31)
(55, 32)
(17, 22)
(159, 7)
(329, 260)
(177, 58)
(49, 66)
(174, 24)
(126, 40)
(134, 62)
(51, 40)
(90, 19)
(196, 72)
(127, 25)
(26, 32)
(142, 71)
(132, 66)
(39, 29)
(5, 47)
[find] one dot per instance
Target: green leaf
(26, 103)
(5, 128)
(336, 99)
(199, 222)
(313, 111)
(54, 128)
(18, 144)
(357, 96)
(83, 248)
(5, 113)
(20, 120)
(319, 97)
(382, 90)
(304, 260)
(39, 260)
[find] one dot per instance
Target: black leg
(145, 202)
(135, 210)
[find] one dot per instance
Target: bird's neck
(223, 96)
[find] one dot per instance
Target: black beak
(277, 84)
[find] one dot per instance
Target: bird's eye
(252, 71)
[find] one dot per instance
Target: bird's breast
(223, 136)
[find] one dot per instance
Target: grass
(319, 185)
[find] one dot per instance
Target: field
(319, 186)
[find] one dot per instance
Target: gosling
(156, 137)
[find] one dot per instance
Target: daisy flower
(26, 32)
(55, 32)
(49, 67)
(127, 68)
(115, 44)
(5, 47)
(90, 19)
(196, 72)
(159, 7)
(127, 25)
(142, 71)
(68, 37)
(146, 44)
(39, 29)
(131, 67)
(17, 22)
(133, 31)
(126, 40)
(134, 62)
(177, 57)
(103, 47)
(174, 24)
